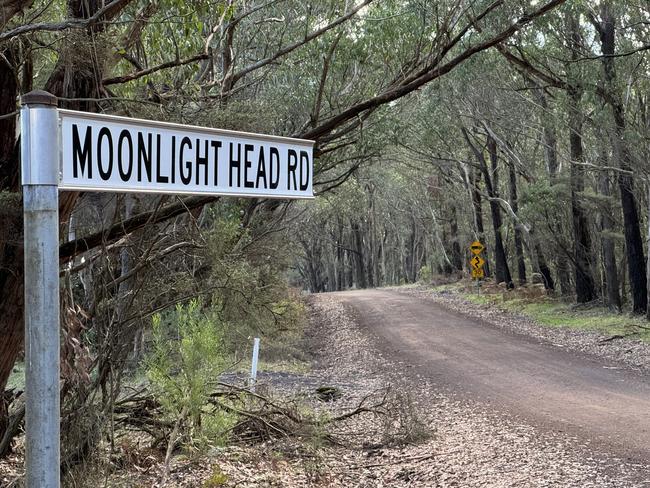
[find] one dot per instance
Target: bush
(425, 275)
(184, 366)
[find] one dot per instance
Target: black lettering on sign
(247, 165)
(202, 161)
(216, 145)
(125, 135)
(304, 170)
(261, 170)
(104, 133)
(82, 156)
(161, 178)
(144, 155)
(173, 162)
(292, 165)
(274, 168)
(186, 179)
(234, 163)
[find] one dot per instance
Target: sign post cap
(39, 97)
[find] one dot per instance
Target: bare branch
(121, 229)
(9, 8)
(292, 47)
(139, 74)
(105, 13)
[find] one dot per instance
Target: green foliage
(17, 378)
(248, 275)
(185, 362)
(556, 313)
(425, 275)
(216, 479)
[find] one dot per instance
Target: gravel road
(481, 439)
(602, 403)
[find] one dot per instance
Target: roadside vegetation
(550, 311)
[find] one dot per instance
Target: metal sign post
(40, 168)
(256, 353)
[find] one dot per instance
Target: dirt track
(603, 404)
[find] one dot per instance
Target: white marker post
(63, 149)
(256, 353)
(40, 176)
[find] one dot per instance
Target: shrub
(184, 365)
(425, 275)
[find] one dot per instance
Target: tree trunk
(475, 177)
(502, 271)
(633, 242)
(519, 248)
(360, 271)
(549, 139)
(648, 264)
(340, 257)
(69, 80)
(456, 257)
(370, 239)
(585, 288)
(11, 249)
(607, 226)
(542, 265)
(584, 282)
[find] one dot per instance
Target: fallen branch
(173, 438)
(14, 423)
(616, 336)
(405, 459)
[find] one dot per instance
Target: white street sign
(109, 153)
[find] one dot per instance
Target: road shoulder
(626, 352)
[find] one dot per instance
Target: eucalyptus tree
(605, 23)
(593, 43)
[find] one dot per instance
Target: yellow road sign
(476, 247)
(477, 262)
(478, 273)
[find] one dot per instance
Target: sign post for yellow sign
(477, 262)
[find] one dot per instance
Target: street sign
(477, 262)
(478, 273)
(66, 150)
(476, 247)
(109, 153)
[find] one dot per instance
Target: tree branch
(292, 47)
(139, 74)
(121, 229)
(107, 12)
(432, 72)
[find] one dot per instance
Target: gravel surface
(631, 352)
(470, 447)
